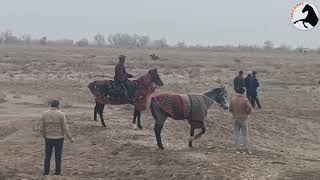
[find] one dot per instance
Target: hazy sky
(194, 21)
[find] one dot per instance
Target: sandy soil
(284, 134)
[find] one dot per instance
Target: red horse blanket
(141, 93)
(191, 107)
(171, 104)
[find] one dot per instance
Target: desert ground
(284, 134)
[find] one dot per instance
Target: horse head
(155, 77)
(219, 95)
(307, 8)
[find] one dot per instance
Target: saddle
(114, 90)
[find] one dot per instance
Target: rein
(208, 98)
(146, 85)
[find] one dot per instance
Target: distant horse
(192, 107)
(311, 18)
(154, 57)
(143, 87)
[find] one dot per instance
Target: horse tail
(152, 104)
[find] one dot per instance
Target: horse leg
(159, 118)
(298, 21)
(203, 130)
(134, 119)
(157, 130)
(191, 137)
(304, 24)
(100, 111)
(139, 120)
(95, 112)
(197, 136)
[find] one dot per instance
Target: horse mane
(141, 78)
(208, 91)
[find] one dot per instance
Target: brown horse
(143, 87)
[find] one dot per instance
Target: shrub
(83, 42)
(43, 40)
(99, 39)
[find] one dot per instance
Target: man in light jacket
(240, 108)
(54, 127)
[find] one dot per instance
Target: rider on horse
(121, 78)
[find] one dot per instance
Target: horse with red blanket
(107, 92)
(192, 107)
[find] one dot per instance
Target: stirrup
(131, 101)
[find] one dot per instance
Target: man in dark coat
(253, 86)
(121, 78)
(238, 81)
(247, 84)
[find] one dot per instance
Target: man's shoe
(238, 151)
(247, 151)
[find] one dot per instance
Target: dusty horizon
(205, 23)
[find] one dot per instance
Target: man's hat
(122, 57)
(55, 103)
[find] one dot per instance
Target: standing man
(247, 84)
(253, 90)
(53, 127)
(121, 78)
(240, 108)
(238, 81)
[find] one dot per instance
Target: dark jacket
(253, 86)
(238, 82)
(247, 82)
(121, 74)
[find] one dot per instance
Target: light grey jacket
(53, 124)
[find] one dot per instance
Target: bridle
(212, 100)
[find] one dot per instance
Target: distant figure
(311, 18)
(154, 57)
(240, 108)
(247, 83)
(238, 81)
(121, 78)
(253, 93)
(53, 127)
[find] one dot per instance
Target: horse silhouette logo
(304, 16)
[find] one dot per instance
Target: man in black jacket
(238, 81)
(253, 86)
(121, 78)
(247, 83)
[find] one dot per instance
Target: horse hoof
(161, 147)
(140, 127)
(190, 144)
(135, 126)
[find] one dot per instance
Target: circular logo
(304, 16)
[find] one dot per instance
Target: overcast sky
(206, 22)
